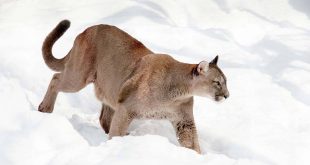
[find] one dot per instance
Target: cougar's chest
(156, 112)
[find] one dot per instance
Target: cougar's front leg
(187, 134)
(184, 126)
(120, 122)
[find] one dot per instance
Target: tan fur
(131, 81)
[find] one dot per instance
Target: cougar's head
(210, 81)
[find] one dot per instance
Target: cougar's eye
(217, 83)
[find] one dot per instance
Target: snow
(298, 77)
(263, 49)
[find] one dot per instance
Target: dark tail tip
(64, 24)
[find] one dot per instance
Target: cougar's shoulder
(159, 77)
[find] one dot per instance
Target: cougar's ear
(202, 67)
(214, 61)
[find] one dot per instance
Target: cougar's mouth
(218, 98)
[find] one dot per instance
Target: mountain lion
(131, 81)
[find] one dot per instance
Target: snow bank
(264, 52)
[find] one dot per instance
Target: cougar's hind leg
(68, 81)
(78, 72)
(47, 105)
(106, 117)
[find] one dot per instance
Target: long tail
(52, 62)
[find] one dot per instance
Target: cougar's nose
(226, 95)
